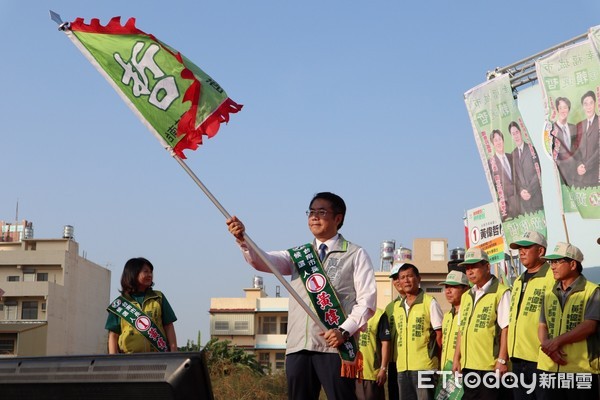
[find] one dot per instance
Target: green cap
(565, 250)
(528, 239)
(475, 255)
(455, 278)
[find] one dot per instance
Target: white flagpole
(251, 243)
(64, 26)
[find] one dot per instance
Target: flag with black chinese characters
(174, 98)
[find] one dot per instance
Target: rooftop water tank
(257, 282)
(402, 254)
(68, 232)
(387, 249)
(28, 232)
(457, 253)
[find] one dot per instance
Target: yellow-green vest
(581, 356)
(370, 347)
(130, 340)
(415, 340)
(595, 352)
(449, 335)
(523, 341)
(479, 329)
(389, 310)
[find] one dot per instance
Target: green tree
(236, 374)
(191, 346)
(222, 355)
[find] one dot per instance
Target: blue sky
(362, 99)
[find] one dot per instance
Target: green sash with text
(324, 301)
(141, 322)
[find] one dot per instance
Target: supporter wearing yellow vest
(456, 284)
(525, 305)
(136, 287)
(568, 327)
(392, 372)
(374, 345)
(418, 320)
(481, 346)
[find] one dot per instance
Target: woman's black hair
(130, 273)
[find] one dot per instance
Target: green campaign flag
(174, 98)
(449, 386)
(570, 82)
(510, 160)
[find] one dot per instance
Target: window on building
(438, 250)
(221, 325)
(42, 277)
(283, 325)
(268, 325)
(13, 278)
(7, 343)
(264, 360)
(29, 310)
(10, 311)
(280, 360)
(433, 290)
(44, 306)
(28, 276)
(240, 325)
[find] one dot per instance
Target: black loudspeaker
(164, 376)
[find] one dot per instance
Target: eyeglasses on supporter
(558, 261)
(317, 213)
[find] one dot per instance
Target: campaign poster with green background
(509, 159)
(570, 82)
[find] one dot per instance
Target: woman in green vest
(141, 319)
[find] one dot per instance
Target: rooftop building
(52, 300)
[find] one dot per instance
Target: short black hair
(130, 273)
(497, 132)
(407, 266)
(564, 100)
(337, 204)
(577, 263)
(589, 93)
(514, 124)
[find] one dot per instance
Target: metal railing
(523, 72)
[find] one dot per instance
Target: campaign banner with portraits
(510, 160)
(594, 37)
(570, 82)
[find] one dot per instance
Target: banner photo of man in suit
(570, 82)
(509, 158)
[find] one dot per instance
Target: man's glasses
(558, 261)
(317, 213)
